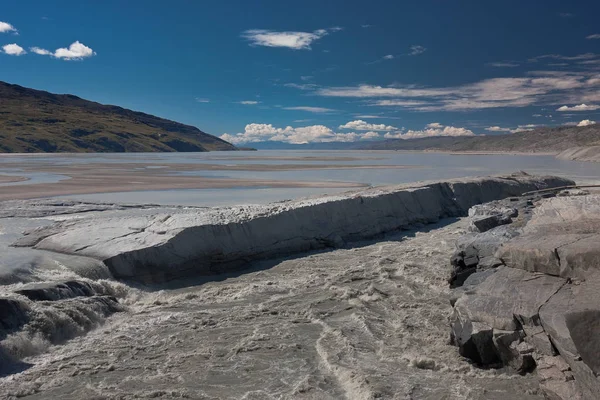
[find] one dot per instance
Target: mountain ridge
(38, 121)
(540, 140)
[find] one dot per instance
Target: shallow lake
(366, 167)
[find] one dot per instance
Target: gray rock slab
(164, 246)
(562, 238)
(580, 258)
(535, 252)
(584, 328)
(570, 319)
(509, 298)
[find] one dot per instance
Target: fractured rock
(584, 328)
(490, 215)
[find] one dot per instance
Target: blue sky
(316, 71)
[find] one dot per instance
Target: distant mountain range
(541, 140)
(37, 121)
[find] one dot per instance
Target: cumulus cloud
(13, 50)
(360, 125)
(370, 135)
(497, 129)
(586, 122)
(248, 102)
(301, 135)
(291, 40)
(430, 132)
(594, 36)
(521, 128)
(319, 133)
(6, 27)
(580, 107)
(76, 51)
(317, 110)
(388, 57)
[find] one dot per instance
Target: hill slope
(540, 140)
(37, 121)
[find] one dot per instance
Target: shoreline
(12, 179)
(82, 187)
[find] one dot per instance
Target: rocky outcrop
(169, 245)
(541, 308)
(491, 224)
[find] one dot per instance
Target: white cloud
(301, 86)
(594, 36)
(76, 51)
(361, 125)
(497, 129)
(580, 107)
(578, 57)
(319, 133)
(388, 57)
(42, 52)
(248, 102)
(517, 130)
(435, 125)
(13, 49)
(416, 50)
(318, 110)
(504, 64)
(379, 91)
(399, 103)
(291, 40)
(308, 134)
(540, 87)
(6, 27)
(430, 132)
(370, 135)
(586, 122)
